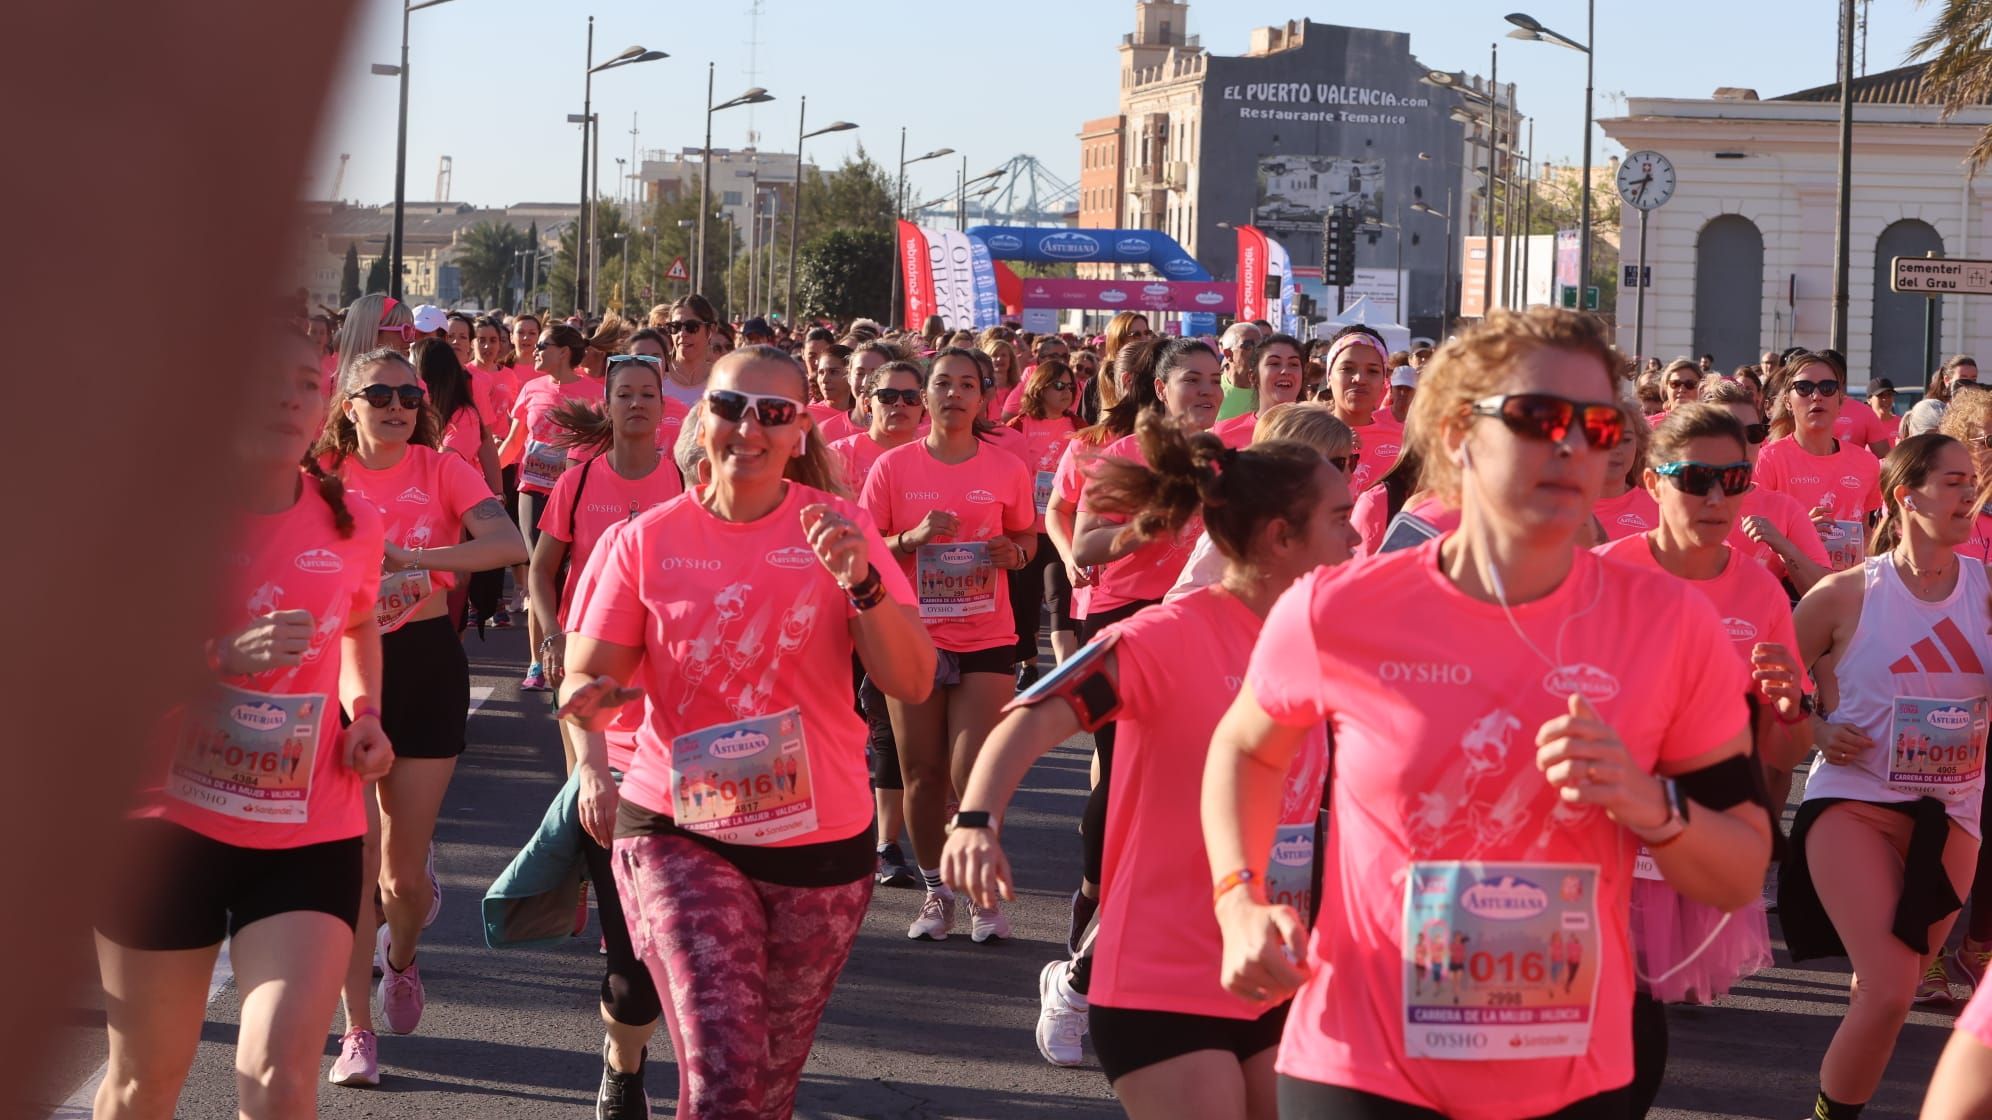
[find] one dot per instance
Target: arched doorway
(1729, 291)
(1895, 347)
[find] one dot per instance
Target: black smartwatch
(967, 819)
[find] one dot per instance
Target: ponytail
(1910, 464)
(334, 493)
(582, 426)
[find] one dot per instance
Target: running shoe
(1935, 987)
(435, 890)
(1083, 909)
(622, 1096)
(400, 992)
(893, 870)
(984, 925)
(358, 1063)
(535, 679)
(501, 619)
(1061, 1025)
(1771, 890)
(1027, 674)
(1969, 961)
(936, 920)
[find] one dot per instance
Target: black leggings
(1649, 1052)
(627, 990)
(1978, 918)
(1027, 596)
(1093, 827)
(1311, 1100)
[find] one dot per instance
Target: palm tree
(484, 259)
(1959, 71)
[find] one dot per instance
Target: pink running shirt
(1066, 483)
(1750, 601)
(832, 423)
(1788, 517)
(1237, 431)
(1850, 477)
(857, 452)
(739, 623)
(421, 501)
(620, 734)
(1371, 519)
(1434, 722)
(1380, 443)
(1159, 945)
(605, 500)
(1146, 574)
(294, 560)
(541, 463)
(989, 494)
(1629, 514)
(1859, 425)
(1043, 446)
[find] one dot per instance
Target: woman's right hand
(1078, 575)
(553, 658)
(1265, 948)
(597, 803)
(1759, 529)
(1842, 743)
(974, 862)
(277, 640)
(937, 524)
(594, 705)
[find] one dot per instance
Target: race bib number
(745, 782)
(248, 755)
(1290, 873)
(400, 594)
(543, 464)
(955, 580)
(1644, 866)
(1844, 547)
(1500, 960)
(1041, 490)
(1936, 746)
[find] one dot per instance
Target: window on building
(730, 198)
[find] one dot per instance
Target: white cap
(1926, 416)
(1404, 378)
(429, 319)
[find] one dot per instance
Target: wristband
(1237, 878)
(1807, 708)
(968, 818)
(369, 710)
(868, 592)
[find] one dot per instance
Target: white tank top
(1914, 679)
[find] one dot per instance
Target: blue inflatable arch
(1100, 246)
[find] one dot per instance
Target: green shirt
(1237, 402)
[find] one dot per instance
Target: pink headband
(386, 306)
(1356, 339)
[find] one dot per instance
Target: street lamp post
(1445, 300)
(755, 96)
(795, 217)
(400, 145)
(899, 211)
(584, 225)
(1529, 29)
(961, 191)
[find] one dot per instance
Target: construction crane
(442, 178)
(339, 177)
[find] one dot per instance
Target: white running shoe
(986, 924)
(936, 920)
(1061, 1025)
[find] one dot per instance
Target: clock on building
(1646, 180)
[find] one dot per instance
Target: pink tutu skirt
(1667, 929)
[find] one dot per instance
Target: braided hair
(334, 493)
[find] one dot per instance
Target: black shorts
(1311, 1100)
(424, 690)
(1127, 1040)
(951, 665)
(184, 890)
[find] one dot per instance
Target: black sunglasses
(1546, 417)
(1061, 386)
(1756, 433)
(1690, 477)
(1825, 388)
(731, 406)
(907, 397)
(380, 396)
(674, 326)
(1346, 463)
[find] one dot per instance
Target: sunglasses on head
(380, 396)
(1825, 388)
(731, 406)
(1691, 477)
(646, 359)
(1756, 433)
(1346, 463)
(907, 397)
(1546, 417)
(676, 326)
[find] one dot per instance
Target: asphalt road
(915, 1030)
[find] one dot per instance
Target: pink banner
(1252, 253)
(1130, 295)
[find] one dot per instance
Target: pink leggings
(746, 968)
(1860, 849)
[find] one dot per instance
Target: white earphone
(1909, 502)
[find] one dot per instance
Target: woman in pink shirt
(465, 412)
(838, 416)
(957, 513)
(1046, 421)
(1495, 765)
(1280, 373)
(1358, 366)
(898, 400)
(383, 444)
(1772, 528)
(1010, 376)
(1836, 482)
(1171, 1040)
(745, 812)
(1624, 508)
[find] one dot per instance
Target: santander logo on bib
(259, 716)
(981, 497)
(320, 560)
(794, 557)
(1507, 899)
(1740, 629)
(1588, 681)
(738, 744)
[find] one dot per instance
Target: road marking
(83, 1100)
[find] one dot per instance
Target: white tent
(1395, 335)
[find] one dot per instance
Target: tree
(485, 258)
(1959, 71)
(377, 274)
(349, 276)
(845, 273)
(609, 221)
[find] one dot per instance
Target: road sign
(677, 271)
(1568, 297)
(1941, 276)
(1637, 276)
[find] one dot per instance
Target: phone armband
(1081, 682)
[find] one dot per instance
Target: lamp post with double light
(1531, 30)
(584, 228)
(899, 212)
(795, 218)
(400, 145)
(755, 96)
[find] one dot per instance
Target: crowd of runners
(1445, 703)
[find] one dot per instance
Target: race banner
(916, 274)
(1284, 315)
(952, 266)
(988, 305)
(1252, 252)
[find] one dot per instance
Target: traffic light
(1338, 247)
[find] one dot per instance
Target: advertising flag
(916, 274)
(1252, 269)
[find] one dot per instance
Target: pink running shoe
(400, 993)
(358, 1063)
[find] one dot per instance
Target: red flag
(1251, 273)
(917, 274)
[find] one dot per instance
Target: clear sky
(492, 81)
